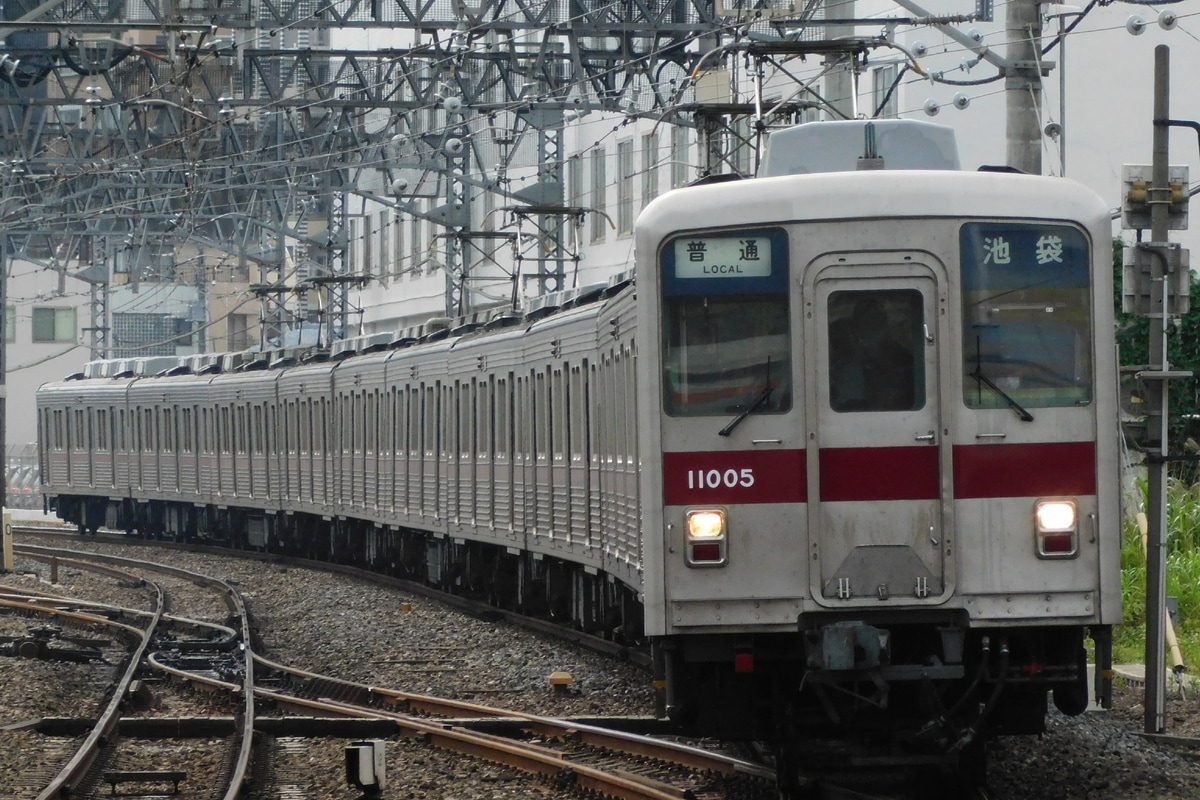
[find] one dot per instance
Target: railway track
(632, 653)
(104, 755)
(562, 754)
(294, 709)
(77, 767)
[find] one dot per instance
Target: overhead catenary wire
(311, 164)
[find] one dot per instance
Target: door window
(876, 361)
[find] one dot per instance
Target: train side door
(876, 470)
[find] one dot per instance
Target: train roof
(434, 329)
(870, 194)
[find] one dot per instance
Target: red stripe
(731, 477)
(1024, 470)
(879, 473)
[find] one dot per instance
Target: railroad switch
(46, 643)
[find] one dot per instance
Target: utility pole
(1023, 86)
(1157, 391)
(840, 89)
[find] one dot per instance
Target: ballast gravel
(366, 633)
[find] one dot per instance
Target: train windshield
(726, 329)
(1026, 316)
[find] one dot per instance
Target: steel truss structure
(199, 133)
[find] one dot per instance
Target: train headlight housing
(706, 537)
(1057, 528)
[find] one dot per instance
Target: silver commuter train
(861, 486)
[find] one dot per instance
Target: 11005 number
(716, 479)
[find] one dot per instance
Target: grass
(1183, 577)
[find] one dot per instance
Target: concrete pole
(839, 82)
(1159, 198)
(1023, 86)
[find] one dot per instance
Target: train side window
(322, 435)
(168, 430)
(414, 422)
(1026, 315)
(373, 426)
(559, 409)
(503, 415)
(465, 397)
(875, 363)
(523, 421)
(541, 418)
(579, 414)
(483, 423)
(727, 344)
(305, 419)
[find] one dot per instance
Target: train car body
(883, 408)
(845, 452)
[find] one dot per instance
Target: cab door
(879, 533)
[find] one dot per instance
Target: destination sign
(725, 257)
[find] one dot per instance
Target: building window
(679, 156)
(385, 257)
(417, 252)
(351, 251)
(599, 190)
(398, 246)
(575, 182)
(368, 237)
(625, 187)
(649, 168)
(883, 92)
(239, 331)
(54, 325)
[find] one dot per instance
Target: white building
(1095, 115)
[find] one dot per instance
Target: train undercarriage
(849, 701)
(533, 584)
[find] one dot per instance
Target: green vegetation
(1183, 578)
(1183, 492)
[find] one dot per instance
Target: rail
(237, 607)
(73, 773)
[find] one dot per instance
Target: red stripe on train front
(879, 473)
(1024, 470)
(857, 474)
(733, 477)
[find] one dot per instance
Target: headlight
(1056, 534)
(1056, 515)
(705, 524)
(706, 537)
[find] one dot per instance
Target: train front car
(886, 511)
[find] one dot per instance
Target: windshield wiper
(733, 423)
(763, 396)
(986, 381)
